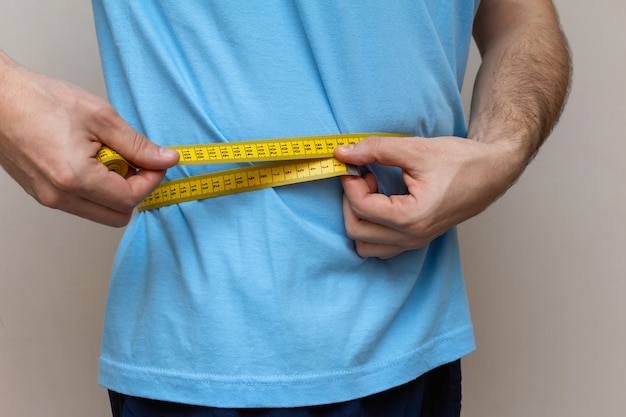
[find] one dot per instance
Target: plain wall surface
(54, 268)
(544, 265)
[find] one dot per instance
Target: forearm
(524, 77)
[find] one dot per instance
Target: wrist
(514, 151)
(515, 139)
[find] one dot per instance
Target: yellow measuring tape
(294, 160)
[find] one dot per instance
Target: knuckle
(351, 234)
(127, 207)
(120, 221)
(105, 113)
(418, 231)
(137, 143)
(66, 181)
(48, 198)
(422, 234)
(362, 249)
(58, 185)
(352, 228)
(358, 211)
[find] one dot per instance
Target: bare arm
(520, 90)
(524, 77)
(50, 132)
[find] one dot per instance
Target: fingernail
(346, 148)
(167, 152)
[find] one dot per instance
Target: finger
(119, 194)
(373, 250)
(89, 180)
(67, 197)
(95, 212)
(376, 207)
(393, 151)
(359, 229)
(366, 248)
(136, 148)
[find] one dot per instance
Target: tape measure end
(115, 162)
(353, 170)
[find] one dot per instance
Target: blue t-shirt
(259, 299)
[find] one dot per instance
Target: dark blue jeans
(434, 394)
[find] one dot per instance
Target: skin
(54, 158)
(450, 179)
(519, 93)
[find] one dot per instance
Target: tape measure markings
(265, 150)
(313, 156)
(249, 178)
(114, 161)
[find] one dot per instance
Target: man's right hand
(50, 132)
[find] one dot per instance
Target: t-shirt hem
(283, 390)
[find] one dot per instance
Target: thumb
(135, 147)
(385, 150)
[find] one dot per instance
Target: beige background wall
(544, 265)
